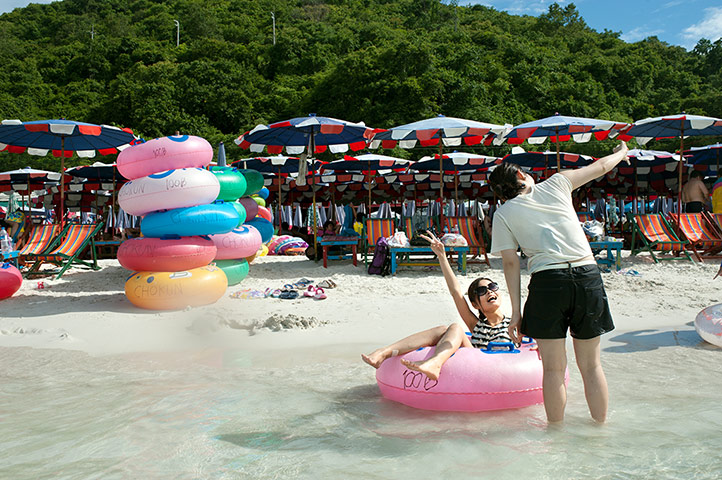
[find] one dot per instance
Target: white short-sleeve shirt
(544, 224)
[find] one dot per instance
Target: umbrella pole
(279, 196)
(312, 151)
(62, 179)
(369, 183)
(441, 179)
(681, 161)
(636, 187)
(456, 187)
(559, 163)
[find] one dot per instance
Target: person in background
(566, 292)
(16, 226)
(695, 195)
(330, 228)
(285, 230)
(717, 196)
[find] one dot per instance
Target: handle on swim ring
(501, 347)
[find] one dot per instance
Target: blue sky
(677, 22)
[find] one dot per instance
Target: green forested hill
(384, 62)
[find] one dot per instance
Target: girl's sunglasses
(481, 291)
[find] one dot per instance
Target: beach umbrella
(455, 162)
(368, 164)
(27, 180)
(309, 135)
(438, 131)
(562, 128)
(707, 155)
(63, 138)
(673, 126)
(540, 160)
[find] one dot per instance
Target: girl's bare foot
(376, 358)
(427, 367)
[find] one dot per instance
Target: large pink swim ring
(240, 242)
(148, 254)
(472, 380)
(183, 187)
(165, 153)
(10, 280)
(708, 324)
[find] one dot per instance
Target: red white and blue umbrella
(312, 134)
(707, 155)
(368, 164)
(27, 180)
(673, 126)
(63, 138)
(440, 130)
(562, 128)
(541, 160)
(455, 162)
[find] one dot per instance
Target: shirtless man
(695, 195)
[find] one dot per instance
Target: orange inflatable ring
(176, 290)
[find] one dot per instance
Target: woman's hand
(436, 245)
(515, 328)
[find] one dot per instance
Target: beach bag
(381, 263)
(398, 239)
(454, 240)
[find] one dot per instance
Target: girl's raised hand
(436, 245)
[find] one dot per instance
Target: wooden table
(461, 253)
(325, 243)
(610, 247)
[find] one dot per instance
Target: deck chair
(40, 238)
(585, 216)
(469, 228)
(407, 226)
(374, 228)
(715, 219)
(704, 241)
(66, 250)
(654, 233)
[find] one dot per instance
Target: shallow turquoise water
(231, 414)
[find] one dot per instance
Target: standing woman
(566, 290)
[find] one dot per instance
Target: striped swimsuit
(484, 333)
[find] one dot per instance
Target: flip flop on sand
(310, 291)
(328, 283)
(289, 295)
(304, 281)
(248, 293)
(319, 295)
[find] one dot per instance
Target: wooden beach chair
(702, 236)
(654, 233)
(66, 251)
(374, 228)
(39, 239)
(470, 229)
(715, 219)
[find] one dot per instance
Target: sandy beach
(87, 310)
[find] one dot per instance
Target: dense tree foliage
(384, 62)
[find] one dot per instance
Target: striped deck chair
(715, 219)
(66, 251)
(469, 228)
(373, 230)
(653, 232)
(702, 236)
(407, 225)
(39, 240)
(585, 216)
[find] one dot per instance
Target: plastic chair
(66, 250)
(656, 234)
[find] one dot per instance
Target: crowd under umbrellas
(306, 137)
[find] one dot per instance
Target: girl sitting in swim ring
(490, 325)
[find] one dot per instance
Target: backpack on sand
(381, 263)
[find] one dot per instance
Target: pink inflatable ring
(147, 254)
(472, 380)
(166, 153)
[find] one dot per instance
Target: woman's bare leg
(405, 345)
(450, 342)
(554, 361)
(595, 383)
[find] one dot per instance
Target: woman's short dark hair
(504, 182)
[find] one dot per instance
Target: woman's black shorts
(570, 298)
